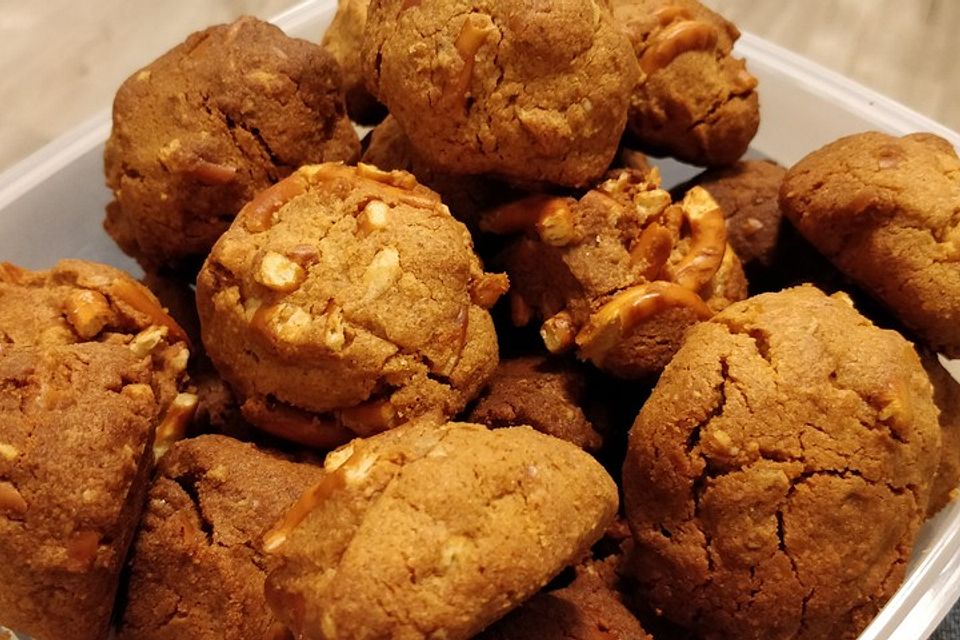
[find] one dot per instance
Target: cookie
(586, 610)
(205, 127)
(77, 423)
(197, 569)
(343, 40)
(694, 100)
(432, 530)
(511, 88)
(344, 301)
(884, 211)
(467, 196)
(619, 274)
(77, 302)
(946, 395)
(544, 393)
(777, 476)
(748, 193)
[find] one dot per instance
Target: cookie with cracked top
(694, 101)
(434, 531)
(199, 131)
(343, 39)
(77, 423)
(523, 89)
(197, 567)
(344, 301)
(886, 212)
(777, 476)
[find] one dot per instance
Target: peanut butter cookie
(197, 566)
(748, 194)
(619, 274)
(546, 394)
(343, 39)
(777, 476)
(694, 101)
(428, 531)
(467, 196)
(198, 132)
(884, 211)
(344, 301)
(524, 90)
(78, 301)
(77, 423)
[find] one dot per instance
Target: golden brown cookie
(433, 530)
(946, 395)
(884, 211)
(748, 193)
(694, 100)
(544, 393)
(197, 567)
(343, 39)
(619, 274)
(777, 476)
(78, 301)
(344, 301)
(586, 610)
(518, 89)
(198, 132)
(77, 423)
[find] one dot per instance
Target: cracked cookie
(343, 39)
(433, 530)
(197, 567)
(344, 301)
(77, 423)
(544, 393)
(694, 100)
(946, 395)
(747, 193)
(586, 610)
(884, 211)
(619, 274)
(523, 90)
(777, 476)
(198, 132)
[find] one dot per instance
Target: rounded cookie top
(428, 528)
(199, 131)
(197, 569)
(519, 89)
(694, 101)
(346, 300)
(884, 210)
(778, 474)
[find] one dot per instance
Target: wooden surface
(62, 60)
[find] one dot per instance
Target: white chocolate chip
(382, 272)
(279, 272)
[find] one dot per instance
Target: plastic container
(52, 204)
